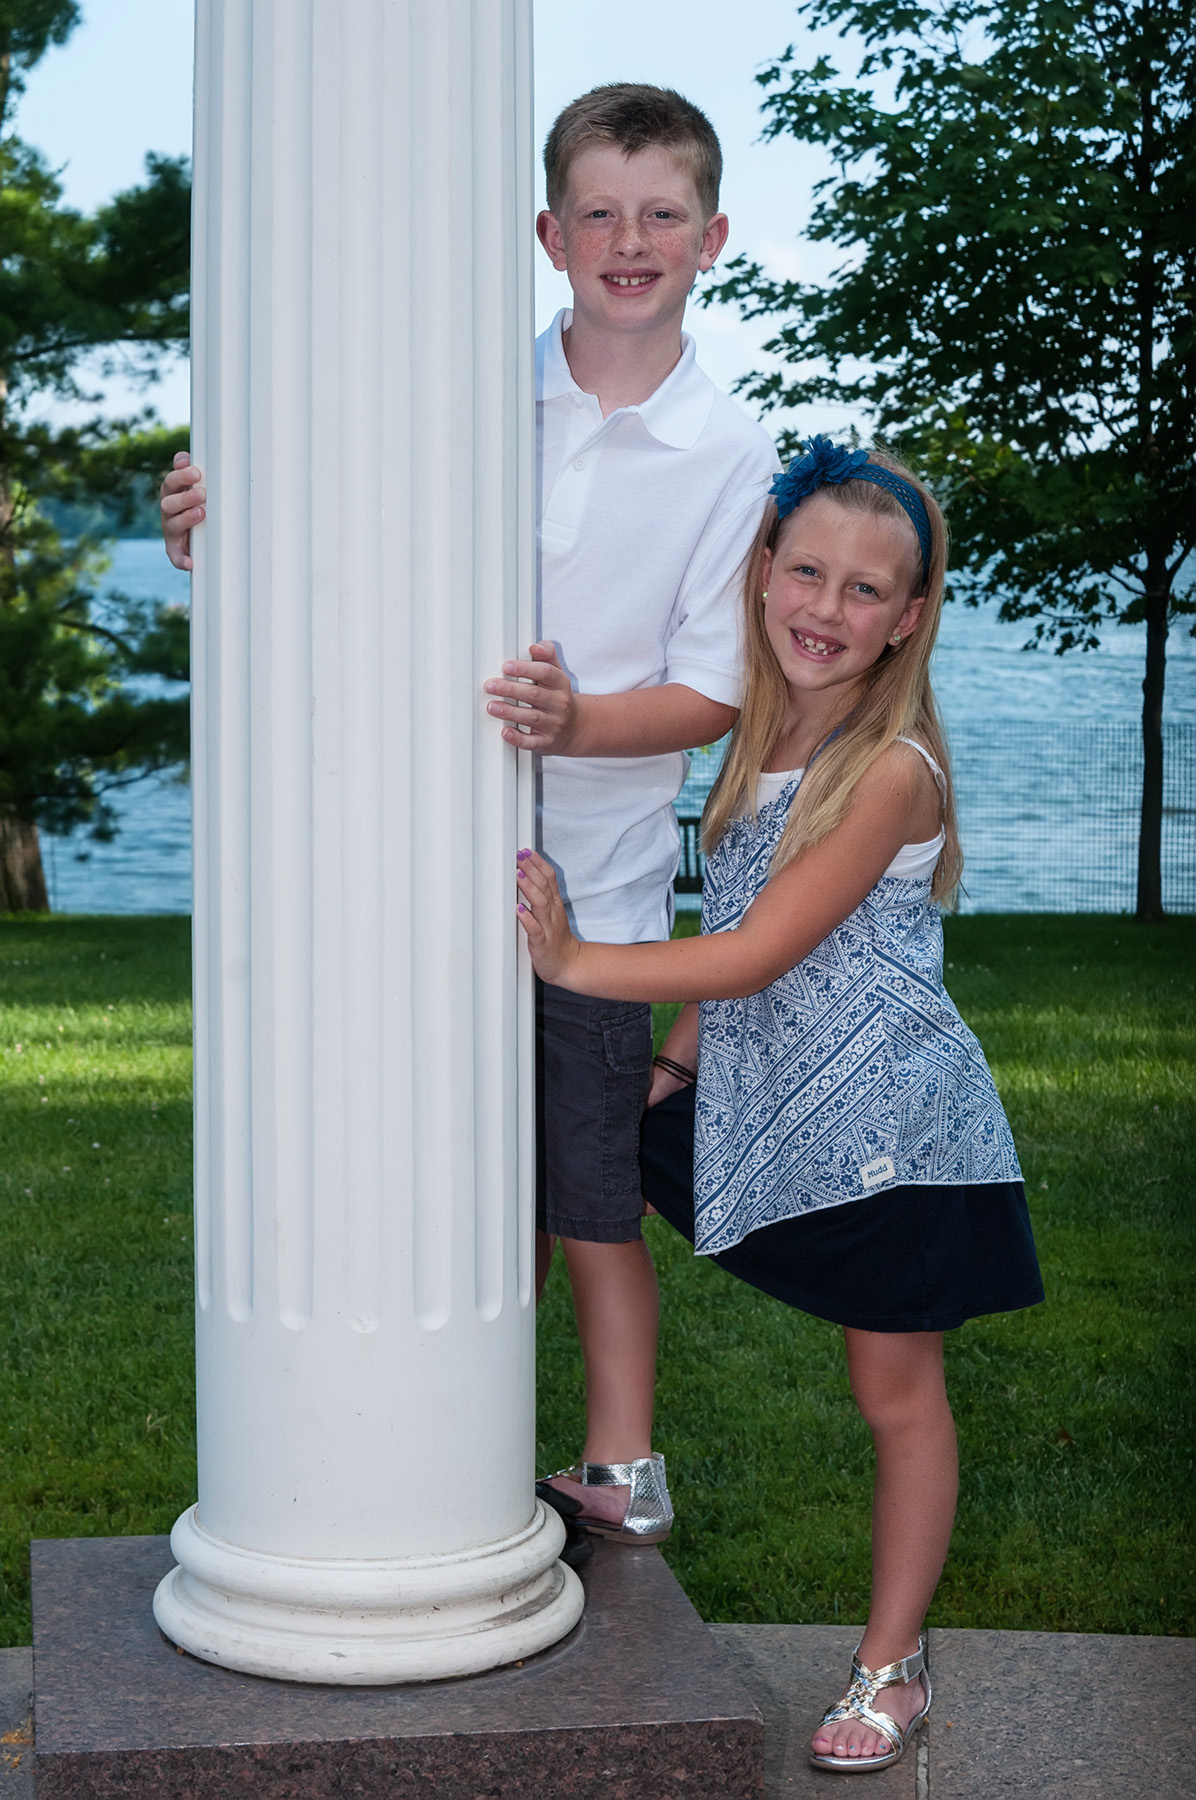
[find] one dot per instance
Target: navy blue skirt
(915, 1258)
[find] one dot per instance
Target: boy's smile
(632, 236)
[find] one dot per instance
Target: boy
(651, 484)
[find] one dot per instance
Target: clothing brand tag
(874, 1172)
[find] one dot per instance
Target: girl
(850, 1154)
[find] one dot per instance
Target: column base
(636, 1699)
(366, 1624)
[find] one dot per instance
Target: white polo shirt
(645, 520)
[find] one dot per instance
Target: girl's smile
(819, 649)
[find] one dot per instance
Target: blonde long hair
(897, 700)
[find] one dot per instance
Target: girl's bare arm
(894, 805)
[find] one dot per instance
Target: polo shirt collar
(675, 414)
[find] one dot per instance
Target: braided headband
(825, 463)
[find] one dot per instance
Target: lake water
(1045, 749)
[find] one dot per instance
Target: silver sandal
(649, 1515)
(858, 1703)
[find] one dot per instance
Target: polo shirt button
(579, 462)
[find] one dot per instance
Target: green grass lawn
(1077, 1455)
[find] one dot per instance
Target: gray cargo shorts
(593, 1071)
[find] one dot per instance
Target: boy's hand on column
(542, 914)
(537, 699)
(181, 498)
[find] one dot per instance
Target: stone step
(1056, 1715)
(16, 1725)
(1016, 1713)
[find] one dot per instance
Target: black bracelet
(675, 1068)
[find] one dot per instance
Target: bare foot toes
(852, 1739)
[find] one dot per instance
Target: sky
(121, 86)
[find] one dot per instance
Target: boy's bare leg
(617, 1304)
(545, 1248)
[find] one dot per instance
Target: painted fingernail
(522, 854)
(522, 908)
(519, 874)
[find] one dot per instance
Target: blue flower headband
(825, 463)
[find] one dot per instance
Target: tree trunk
(22, 878)
(1157, 582)
(1150, 834)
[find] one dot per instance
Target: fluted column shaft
(363, 416)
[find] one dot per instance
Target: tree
(1016, 308)
(77, 717)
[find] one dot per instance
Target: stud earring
(764, 595)
(895, 639)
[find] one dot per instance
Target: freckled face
(631, 235)
(838, 588)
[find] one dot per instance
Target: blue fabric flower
(825, 463)
(822, 462)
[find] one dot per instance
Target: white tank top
(912, 860)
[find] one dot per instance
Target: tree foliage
(77, 716)
(1014, 189)
(85, 700)
(28, 28)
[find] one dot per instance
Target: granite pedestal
(637, 1701)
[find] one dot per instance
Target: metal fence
(1048, 814)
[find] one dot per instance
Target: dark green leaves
(1020, 269)
(1014, 201)
(89, 690)
(27, 30)
(71, 285)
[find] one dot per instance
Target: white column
(363, 417)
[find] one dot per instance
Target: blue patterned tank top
(849, 1074)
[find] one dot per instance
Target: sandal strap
(855, 1707)
(644, 1471)
(906, 1668)
(604, 1474)
(859, 1700)
(594, 1474)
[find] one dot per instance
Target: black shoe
(578, 1548)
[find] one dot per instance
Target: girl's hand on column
(553, 947)
(181, 499)
(537, 700)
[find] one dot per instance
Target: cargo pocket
(627, 1048)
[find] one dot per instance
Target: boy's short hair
(635, 117)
